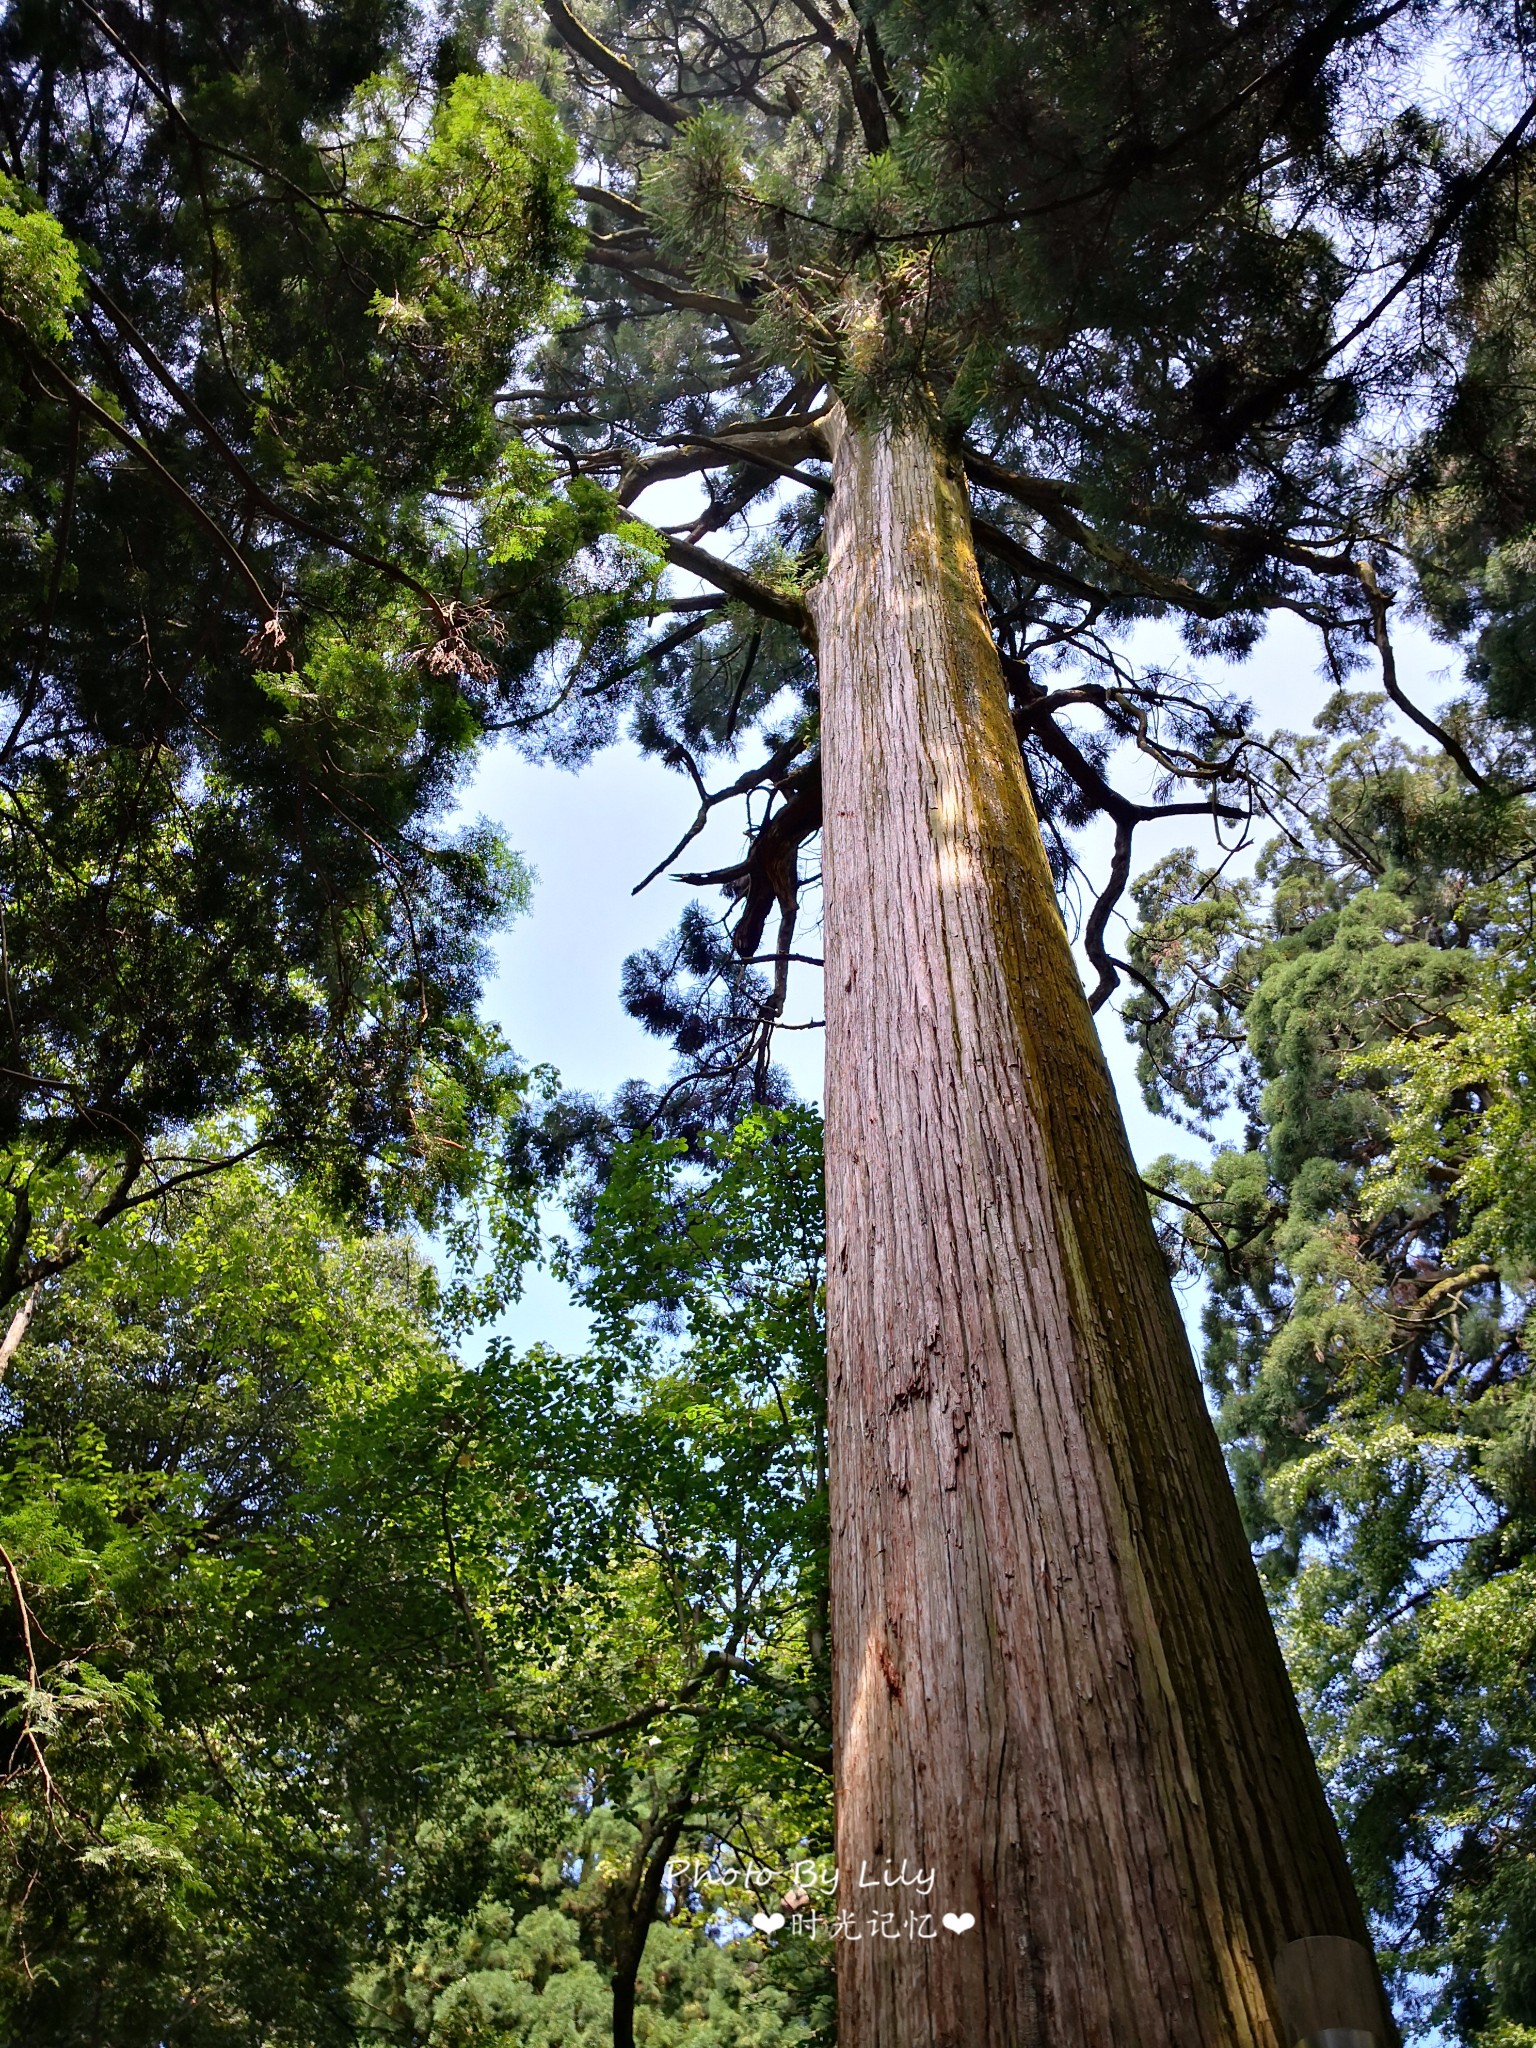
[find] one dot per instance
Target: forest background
(370, 1664)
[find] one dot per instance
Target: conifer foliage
(262, 273)
(1150, 269)
(988, 334)
(1364, 1001)
(981, 367)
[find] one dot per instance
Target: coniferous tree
(262, 272)
(994, 332)
(1469, 482)
(1363, 1001)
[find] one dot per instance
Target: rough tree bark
(1057, 1684)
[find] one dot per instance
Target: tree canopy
(370, 1677)
(1164, 274)
(263, 275)
(362, 1695)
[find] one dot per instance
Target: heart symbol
(959, 1923)
(769, 1923)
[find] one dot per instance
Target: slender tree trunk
(637, 1909)
(1057, 1685)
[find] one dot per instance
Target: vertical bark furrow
(1056, 1681)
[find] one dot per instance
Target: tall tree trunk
(1057, 1685)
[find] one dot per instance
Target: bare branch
(861, 86)
(614, 202)
(754, 778)
(1093, 932)
(284, 514)
(581, 42)
(1462, 193)
(1058, 503)
(1380, 602)
(1227, 1249)
(716, 1665)
(45, 371)
(737, 583)
(681, 296)
(993, 541)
